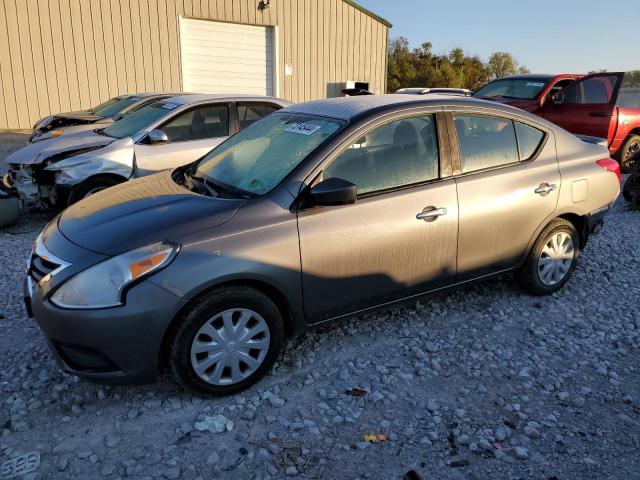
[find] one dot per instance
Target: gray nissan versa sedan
(317, 212)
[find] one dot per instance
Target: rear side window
(248, 114)
(529, 139)
(400, 153)
(485, 141)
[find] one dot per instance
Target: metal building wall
(64, 55)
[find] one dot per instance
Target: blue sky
(547, 36)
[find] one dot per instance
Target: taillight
(612, 166)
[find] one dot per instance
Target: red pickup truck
(604, 105)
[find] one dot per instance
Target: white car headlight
(103, 285)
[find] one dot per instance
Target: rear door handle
(545, 188)
(599, 114)
(431, 213)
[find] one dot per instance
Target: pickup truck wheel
(630, 148)
(91, 186)
(226, 341)
(552, 259)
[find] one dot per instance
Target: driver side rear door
(588, 107)
(192, 133)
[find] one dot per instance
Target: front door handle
(545, 188)
(431, 213)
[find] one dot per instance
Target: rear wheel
(552, 259)
(90, 186)
(226, 341)
(630, 148)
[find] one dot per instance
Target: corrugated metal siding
(62, 55)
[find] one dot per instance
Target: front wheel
(552, 259)
(90, 186)
(227, 341)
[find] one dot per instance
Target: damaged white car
(100, 116)
(163, 135)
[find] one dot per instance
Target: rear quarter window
(529, 140)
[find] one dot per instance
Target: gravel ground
(480, 382)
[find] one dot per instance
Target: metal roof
(347, 108)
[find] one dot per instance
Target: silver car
(100, 116)
(437, 91)
(317, 212)
(162, 135)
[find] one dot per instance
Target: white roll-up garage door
(219, 57)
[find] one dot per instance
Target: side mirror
(333, 191)
(157, 137)
(557, 98)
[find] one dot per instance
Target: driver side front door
(191, 133)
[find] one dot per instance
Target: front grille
(40, 267)
(43, 263)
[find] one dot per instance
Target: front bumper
(113, 345)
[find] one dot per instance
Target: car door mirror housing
(157, 137)
(333, 191)
(557, 98)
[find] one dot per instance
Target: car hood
(38, 152)
(81, 115)
(142, 212)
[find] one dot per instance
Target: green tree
(421, 67)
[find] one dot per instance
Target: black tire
(203, 309)
(630, 182)
(529, 277)
(630, 147)
(90, 186)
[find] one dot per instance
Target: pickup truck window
(629, 95)
(595, 90)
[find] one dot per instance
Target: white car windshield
(132, 123)
(259, 157)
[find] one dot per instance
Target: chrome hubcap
(556, 258)
(230, 346)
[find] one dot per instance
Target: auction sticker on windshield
(535, 84)
(169, 106)
(303, 128)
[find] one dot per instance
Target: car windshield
(136, 121)
(518, 88)
(259, 157)
(113, 106)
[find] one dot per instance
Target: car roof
(189, 98)
(547, 76)
(348, 108)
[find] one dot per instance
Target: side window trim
(226, 105)
(443, 147)
(455, 146)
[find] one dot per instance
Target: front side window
(198, 124)
(248, 114)
(400, 153)
(485, 141)
(259, 157)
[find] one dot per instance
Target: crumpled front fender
(115, 159)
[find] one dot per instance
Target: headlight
(103, 285)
